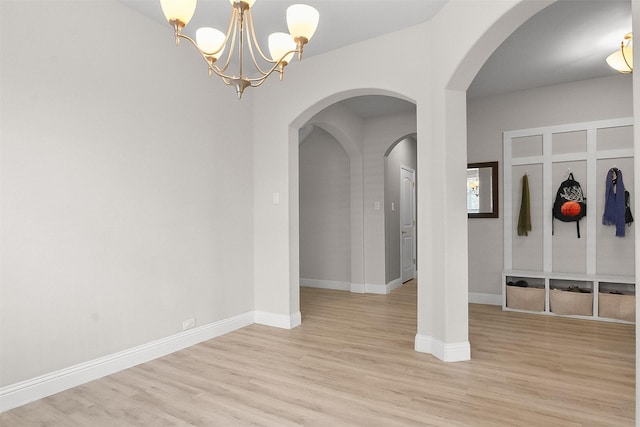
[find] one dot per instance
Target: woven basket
(566, 302)
(531, 299)
(613, 306)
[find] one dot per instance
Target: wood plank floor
(352, 363)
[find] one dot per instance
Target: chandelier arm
(255, 81)
(253, 57)
(227, 78)
(255, 42)
(230, 32)
(277, 66)
(231, 29)
(202, 53)
(240, 33)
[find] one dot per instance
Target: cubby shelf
(587, 277)
(614, 301)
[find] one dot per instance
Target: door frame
(412, 172)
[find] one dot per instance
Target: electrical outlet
(188, 324)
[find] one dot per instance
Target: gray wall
(403, 154)
(325, 209)
(488, 117)
(126, 195)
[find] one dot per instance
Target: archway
(357, 129)
(441, 115)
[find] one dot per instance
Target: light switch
(276, 198)
(393, 206)
(376, 206)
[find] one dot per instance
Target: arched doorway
(441, 111)
(354, 123)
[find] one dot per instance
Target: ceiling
(567, 41)
(341, 22)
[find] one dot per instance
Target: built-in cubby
(550, 270)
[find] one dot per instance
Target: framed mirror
(482, 190)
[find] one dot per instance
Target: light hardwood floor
(352, 363)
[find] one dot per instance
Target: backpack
(570, 204)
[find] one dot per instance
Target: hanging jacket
(616, 202)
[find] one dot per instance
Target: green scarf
(524, 220)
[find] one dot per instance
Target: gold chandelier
(302, 21)
(622, 59)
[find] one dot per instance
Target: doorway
(407, 224)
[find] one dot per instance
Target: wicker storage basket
(531, 299)
(566, 302)
(615, 306)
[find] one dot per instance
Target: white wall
(325, 210)
(488, 117)
(126, 193)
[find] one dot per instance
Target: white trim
(394, 284)
(353, 287)
(447, 352)
(27, 391)
(325, 284)
(278, 320)
(480, 298)
(376, 289)
(358, 288)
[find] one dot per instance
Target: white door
(407, 224)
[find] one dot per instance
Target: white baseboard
(447, 352)
(489, 299)
(325, 284)
(394, 284)
(21, 393)
(376, 289)
(356, 288)
(278, 320)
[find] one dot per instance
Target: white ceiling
(341, 22)
(567, 41)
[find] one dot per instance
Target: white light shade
(302, 20)
(617, 61)
(249, 2)
(180, 10)
(209, 40)
(279, 44)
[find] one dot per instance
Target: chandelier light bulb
(210, 41)
(302, 21)
(622, 59)
(178, 11)
(280, 44)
